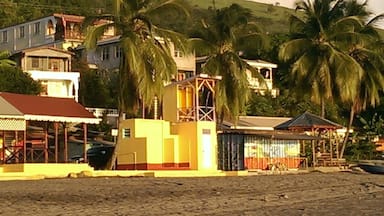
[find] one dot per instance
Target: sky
(376, 6)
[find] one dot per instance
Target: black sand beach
(341, 193)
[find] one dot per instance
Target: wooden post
(330, 143)
(197, 91)
(46, 143)
(3, 147)
(85, 142)
(25, 146)
(15, 148)
(65, 143)
(56, 125)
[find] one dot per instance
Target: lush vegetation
(13, 79)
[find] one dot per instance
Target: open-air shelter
(35, 128)
(325, 151)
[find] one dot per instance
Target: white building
(58, 30)
(263, 67)
(52, 67)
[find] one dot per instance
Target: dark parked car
(98, 155)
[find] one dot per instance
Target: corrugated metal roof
(307, 121)
(279, 135)
(7, 109)
(45, 108)
(255, 122)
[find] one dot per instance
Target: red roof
(46, 106)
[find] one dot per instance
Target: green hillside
(273, 18)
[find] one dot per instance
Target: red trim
(147, 166)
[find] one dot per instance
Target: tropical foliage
(319, 66)
(13, 79)
(221, 39)
(147, 62)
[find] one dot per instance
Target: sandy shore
(315, 193)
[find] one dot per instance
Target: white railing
(99, 112)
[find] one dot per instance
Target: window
(105, 53)
(180, 76)
(21, 32)
(50, 28)
(36, 28)
(35, 62)
(5, 37)
(118, 51)
(178, 53)
(109, 30)
(53, 64)
(44, 86)
(126, 133)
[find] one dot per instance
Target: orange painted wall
(262, 163)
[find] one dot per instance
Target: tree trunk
(112, 161)
(346, 136)
(322, 114)
(156, 108)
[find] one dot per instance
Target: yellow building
(186, 137)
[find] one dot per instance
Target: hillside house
(106, 56)
(266, 69)
(52, 67)
(58, 30)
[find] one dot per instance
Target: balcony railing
(99, 112)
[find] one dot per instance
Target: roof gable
(7, 109)
(307, 121)
(47, 51)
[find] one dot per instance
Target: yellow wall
(148, 142)
(51, 169)
(170, 103)
(177, 99)
(152, 142)
(191, 143)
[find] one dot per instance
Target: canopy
(307, 121)
(42, 108)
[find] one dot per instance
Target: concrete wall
(198, 141)
(155, 144)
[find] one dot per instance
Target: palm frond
(292, 49)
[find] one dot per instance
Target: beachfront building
(325, 151)
(58, 30)
(253, 144)
(52, 68)
(35, 129)
(186, 137)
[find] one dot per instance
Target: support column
(65, 143)
(25, 146)
(46, 143)
(85, 142)
(56, 125)
(76, 87)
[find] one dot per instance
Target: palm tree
(319, 66)
(220, 40)
(147, 62)
(367, 50)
